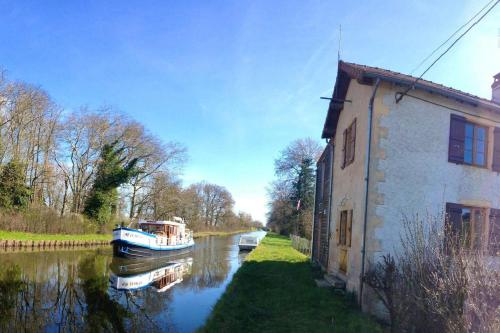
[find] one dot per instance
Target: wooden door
(343, 260)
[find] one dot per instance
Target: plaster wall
(410, 168)
(349, 184)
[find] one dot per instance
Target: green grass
(274, 291)
(16, 235)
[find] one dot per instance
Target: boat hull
(124, 249)
(247, 247)
(135, 244)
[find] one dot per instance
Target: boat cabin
(159, 229)
(162, 228)
(167, 232)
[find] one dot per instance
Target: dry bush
(45, 220)
(430, 287)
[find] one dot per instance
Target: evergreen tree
(112, 172)
(13, 191)
(295, 171)
(303, 197)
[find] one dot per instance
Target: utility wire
(401, 95)
(449, 38)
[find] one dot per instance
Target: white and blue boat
(151, 239)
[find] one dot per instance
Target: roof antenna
(340, 42)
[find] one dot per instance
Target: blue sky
(235, 81)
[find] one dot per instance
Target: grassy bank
(274, 291)
(16, 235)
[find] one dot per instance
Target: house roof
(367, 75)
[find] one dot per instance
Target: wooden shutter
(343, 225)
(349, 228)
(352, 144)
(453, 222)
(344, 146)
(337, 230)
(496, 150)
(494, 233)
(457, 139)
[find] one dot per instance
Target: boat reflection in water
(160, 274)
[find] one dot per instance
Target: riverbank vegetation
(24, 236)
(83, 171)
(292, 193)
(274, 291)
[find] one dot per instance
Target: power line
(451, 36)
(400, 97)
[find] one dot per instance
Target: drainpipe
(367, 178)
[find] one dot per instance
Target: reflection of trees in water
(64, 294)
(144, 306)
(10, 286)
(211, 263)
(69, 291)
(31, 300)
(103, 313)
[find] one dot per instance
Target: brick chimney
(495, 89)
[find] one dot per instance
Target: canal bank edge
(200, 234)
(5, 244)
(12, 239)
(274, 291)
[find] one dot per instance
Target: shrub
(429, 287)
(45, 220)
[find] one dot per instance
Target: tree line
(86, 169)
(291, 194)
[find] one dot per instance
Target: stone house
(430, 150)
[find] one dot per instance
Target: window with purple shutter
(457, 139)
(496, 150)
(468, 142)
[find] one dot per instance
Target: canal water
(89, 290)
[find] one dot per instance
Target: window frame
(349, 144)
(475, 129)
(469, 237)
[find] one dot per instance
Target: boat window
(152, 228)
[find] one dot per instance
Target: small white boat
(151, 239)
(248, 243)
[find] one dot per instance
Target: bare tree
(27, 133)
(155, 158)
(81, 136)
(216, 203)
